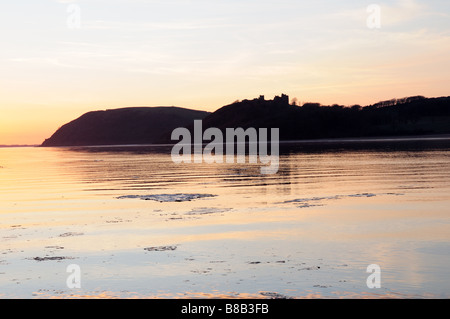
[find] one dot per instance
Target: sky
(62, 58)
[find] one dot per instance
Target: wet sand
(137, 230)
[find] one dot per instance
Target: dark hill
(409, 116)
(135, 125)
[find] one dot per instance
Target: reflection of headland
(303, 164)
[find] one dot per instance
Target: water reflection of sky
(340, 209)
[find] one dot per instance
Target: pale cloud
(66, 1)
(153, 26)
(402, 11)
(392, 14)
(46, 61)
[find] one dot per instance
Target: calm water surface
(225, 230)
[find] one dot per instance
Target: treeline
(415, 115)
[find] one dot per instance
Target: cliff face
(136, 125)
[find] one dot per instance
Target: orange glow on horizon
(208, 56)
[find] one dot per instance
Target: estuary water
(138, 225)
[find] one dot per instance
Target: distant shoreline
(400, 138)
(11, 146)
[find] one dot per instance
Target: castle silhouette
(277, 100)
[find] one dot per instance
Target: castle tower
(284, 99)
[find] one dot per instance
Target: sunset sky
(60, 59)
